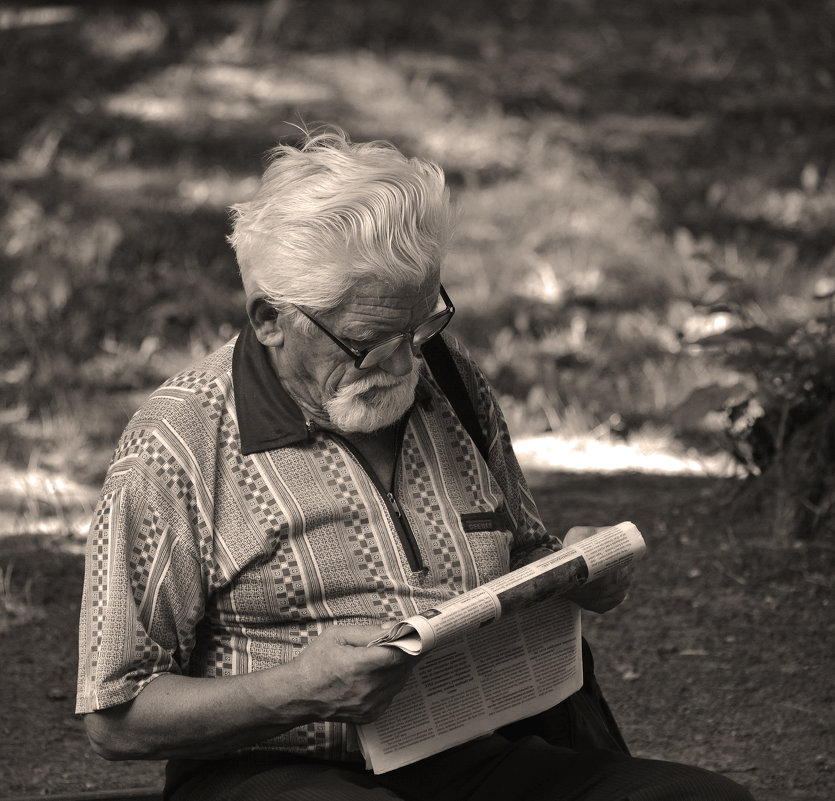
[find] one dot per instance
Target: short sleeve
(143, 593)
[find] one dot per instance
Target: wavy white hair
(331, 212)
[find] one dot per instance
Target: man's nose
(401, 362)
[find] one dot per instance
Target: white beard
(394, 395)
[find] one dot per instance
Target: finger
(604, 603)
(391, 655)
(578, 533)
(620, 578)
(359, 636)
(599, 596)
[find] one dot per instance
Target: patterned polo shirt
(230, 532)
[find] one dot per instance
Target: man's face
(355, 400)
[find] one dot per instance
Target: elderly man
(270, 510)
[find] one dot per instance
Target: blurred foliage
(605, 158)
(783, 429)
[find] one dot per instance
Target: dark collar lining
(267, 416)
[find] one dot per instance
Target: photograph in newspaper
(555, 574)
(559, 579)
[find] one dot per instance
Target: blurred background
(645, 250)
(645, 257)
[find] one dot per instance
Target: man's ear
(266, 321)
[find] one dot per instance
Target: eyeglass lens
(423, 333)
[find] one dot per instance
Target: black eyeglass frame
(360, 356)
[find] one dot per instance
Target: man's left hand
(604, 593)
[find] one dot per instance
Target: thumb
(358, 635)
(578, 533)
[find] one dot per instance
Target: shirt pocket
(489, 535)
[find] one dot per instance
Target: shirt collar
(268, 417)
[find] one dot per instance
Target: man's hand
(348, 682)
(335, 678)
(604, 593)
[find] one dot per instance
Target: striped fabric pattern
(206, 561)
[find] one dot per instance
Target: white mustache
(382, 381)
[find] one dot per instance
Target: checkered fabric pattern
(205, 561)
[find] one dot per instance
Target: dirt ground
(720, 656)
(606, 151)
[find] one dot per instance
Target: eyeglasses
(417, 336)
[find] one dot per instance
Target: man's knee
(557, 773)
(672, 781)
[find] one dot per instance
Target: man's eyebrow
(360, 331)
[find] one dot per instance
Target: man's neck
(378, 449)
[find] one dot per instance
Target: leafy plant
(16, 607)
(782, 432)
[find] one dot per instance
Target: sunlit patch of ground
(640, 455)
(41, 502)
(38, 501)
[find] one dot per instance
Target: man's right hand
(336, 677)
(346, 681)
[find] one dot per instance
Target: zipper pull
(310, 426)
(395, 506)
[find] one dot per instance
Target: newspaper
(503, 651)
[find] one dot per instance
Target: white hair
(330, 213)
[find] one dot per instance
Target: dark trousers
(491, 768)
(572, 752)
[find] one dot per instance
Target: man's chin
(370, 419)
(366, 417)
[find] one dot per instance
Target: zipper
(395, 506)
(398, 519)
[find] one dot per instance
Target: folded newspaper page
(518, 666)
(555, 574)
(475, 677)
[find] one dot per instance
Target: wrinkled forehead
(373, 307)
